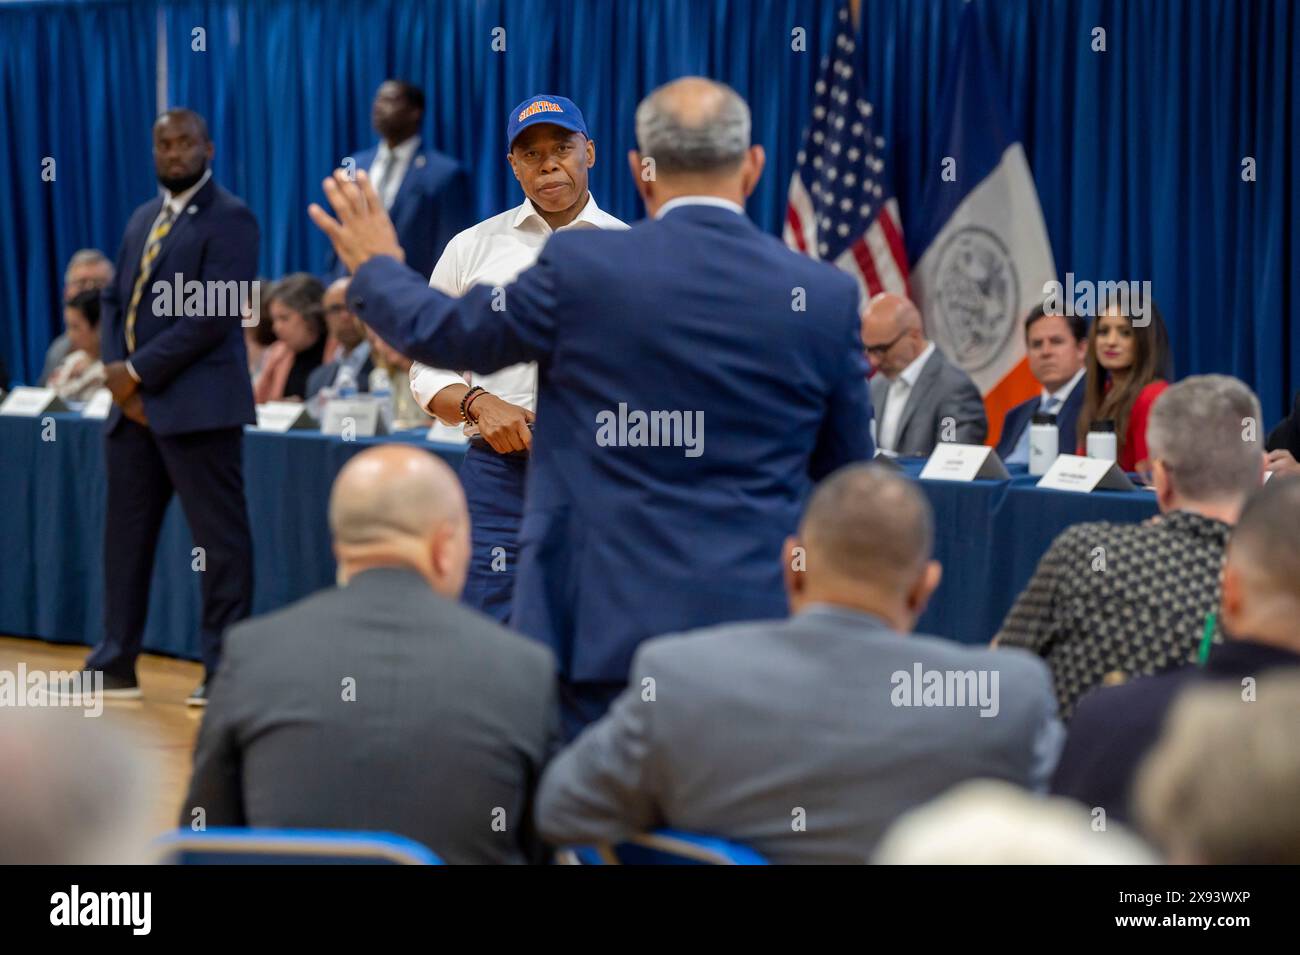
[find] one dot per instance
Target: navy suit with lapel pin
(194, 384)
(432, 204)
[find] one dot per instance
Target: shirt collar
(680, 201)
(591, 216)
(1062, 394)
(858, 618)
(356, 355)
(402, 152)
(180, 201)
(1244, 656)
(913, 371)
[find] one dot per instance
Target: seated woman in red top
(1128, 368)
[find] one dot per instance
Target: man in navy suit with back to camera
(686, 404)
(427, 194)
(176, 365)
(1056, 346)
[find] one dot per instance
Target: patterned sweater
(1111, 601)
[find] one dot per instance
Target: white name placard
(99, 405)
(25, 402)
(962, 462)
(283, 416)
(352, 418)
(1073, 472)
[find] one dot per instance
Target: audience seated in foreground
(1222, 786)
(1259, 611)
(383, 703)
(74, 791)
(805, 738)
(1114, 600)
(991, 823)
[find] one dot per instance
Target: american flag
(842, 207)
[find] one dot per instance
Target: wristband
(466, 398)
(469, 405)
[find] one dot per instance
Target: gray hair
(301, 292)
(1221, 786)
(87, 257)
(990, 822)
(869, 524)
(75, 791)
(693, 125)
(1206, 429)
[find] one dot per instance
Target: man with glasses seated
(920, 397)
(353, 352)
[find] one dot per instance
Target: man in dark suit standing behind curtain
(427, 194)
(176, 365)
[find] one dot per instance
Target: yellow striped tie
(151, 250)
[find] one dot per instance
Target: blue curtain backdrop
(76, 103)
(1136, 151)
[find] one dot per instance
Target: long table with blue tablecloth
(989, 535)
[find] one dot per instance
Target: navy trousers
(581, 704)
(494, 492)
(205, 469)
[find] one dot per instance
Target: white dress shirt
(176, 203)
(391, 165)
(493, 253)
(899, 391)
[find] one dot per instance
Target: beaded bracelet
(469, 407)
(466, 398)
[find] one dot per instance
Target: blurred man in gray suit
(920, 397)
(383, 704)
(805, 738)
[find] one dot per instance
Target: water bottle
(345, 383)
(1101, 440)
(1044, 442)
(381, 391)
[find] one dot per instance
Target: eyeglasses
(881, 349)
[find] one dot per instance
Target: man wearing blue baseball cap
(693, 320)
(550, 154)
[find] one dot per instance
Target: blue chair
(663, 847)
(234, 846)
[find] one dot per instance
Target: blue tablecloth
(52, 496)
(989, 534)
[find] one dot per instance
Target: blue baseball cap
(546, 108)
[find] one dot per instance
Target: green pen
(1206, 639)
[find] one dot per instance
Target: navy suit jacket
(690, 313)
(193, 368)
(324, 375)
(1017, 420)
(1114, 728)
(432, 205)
